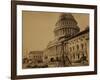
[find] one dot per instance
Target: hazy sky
(38, 28)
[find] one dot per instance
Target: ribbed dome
(66, 26)
(67, 16)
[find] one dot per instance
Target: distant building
(70, 47)
(36, 60)
(36, 56)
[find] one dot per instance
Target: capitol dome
(66, 26)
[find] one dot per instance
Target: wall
(5, 37)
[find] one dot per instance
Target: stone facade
(36, 56)
(78, 48)
(70, 47)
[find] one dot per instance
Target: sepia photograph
(55, 39)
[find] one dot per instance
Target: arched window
(52, 59)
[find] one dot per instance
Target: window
(73, 56)
(77, 47)
(46, 57)
(63, 31)
(81, 39)
(73, 48)
(82, 46)
(78, 56)
(85, 45)
(57, 58)
(52, 59)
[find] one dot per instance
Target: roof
(36, 52)
(78, 34)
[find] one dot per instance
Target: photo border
(14, 39)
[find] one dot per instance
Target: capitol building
(69, 48)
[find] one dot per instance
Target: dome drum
(66, 26)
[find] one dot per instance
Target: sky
(38, 28)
